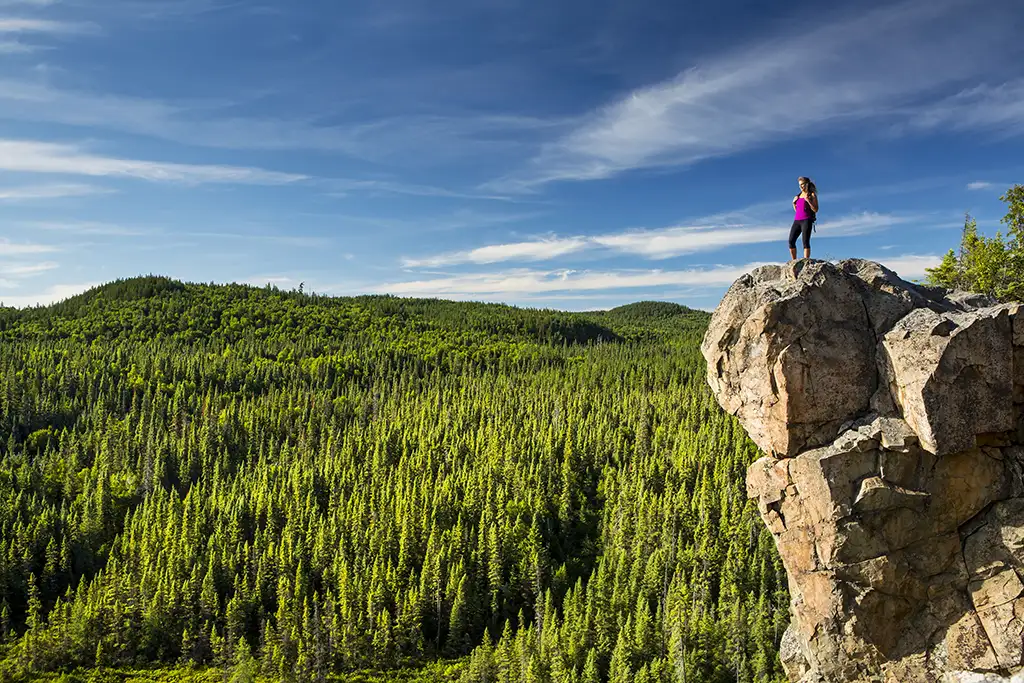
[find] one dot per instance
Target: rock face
(892, 416)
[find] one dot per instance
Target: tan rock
(852, 542)
(877, 494)
(1000, 587)
(951, 375)
(881, 620)
(971, 677)
(899, 467)
(894, 486)
(791, 653)
(1017, 312)
(767, 480)
(797, 548)
(794, 388)
(1018, 373)
(998, 540)
(1005, 631)
(827, 479)
(969, 647)
(817, 599)
(965, 483)
(895, 434)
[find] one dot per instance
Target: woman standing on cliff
(805, 206)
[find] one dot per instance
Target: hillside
(256, 480)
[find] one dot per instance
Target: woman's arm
(812, 199)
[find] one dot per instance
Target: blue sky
(562, 154)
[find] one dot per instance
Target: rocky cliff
(893, 480)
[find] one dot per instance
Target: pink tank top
(802, 212)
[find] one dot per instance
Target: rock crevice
(892, 418)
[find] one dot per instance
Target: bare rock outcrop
(892, 416)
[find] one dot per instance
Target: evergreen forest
(229, 483)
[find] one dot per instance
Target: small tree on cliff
(990, 265)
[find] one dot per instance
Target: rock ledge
(892, 416)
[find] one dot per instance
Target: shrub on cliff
(990, 265)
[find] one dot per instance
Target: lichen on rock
(892, 418)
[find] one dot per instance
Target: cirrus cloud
(30, 156)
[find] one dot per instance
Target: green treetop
(989, 265)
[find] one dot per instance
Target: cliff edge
(892, 416)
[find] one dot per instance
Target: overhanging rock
(891, 415)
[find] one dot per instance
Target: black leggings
(801, 226)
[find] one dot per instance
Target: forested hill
(160, 306)
(296, 486)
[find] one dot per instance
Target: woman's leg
(807, 225)
(793, 233)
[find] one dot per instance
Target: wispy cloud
(22, 25)
(888, 61)
(997, 107)
(661, 243)
(525, 281)
(13, 29)
(21, 270)
(539, 285)
(342, 187)
(987, 185)
(669, 242)
(27, 193)
(28, 3)
(46, 157)
(410, 138)
(300, 241)
(47, 296)
(910, 266)
(84, 228)
(203, 123)
(539, 250)
(9, 248)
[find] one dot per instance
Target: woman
(805, 205)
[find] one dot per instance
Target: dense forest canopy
(289, 486)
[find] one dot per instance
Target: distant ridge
(648, 310)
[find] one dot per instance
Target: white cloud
(299, 241)
(984, 106)
(863, 223)
(539, 250)
(48, 296)
(262, 281)
(524, 281)
(15, 47)
(84, 228)
(661, 243)
(910, 266)
(406, 138)
(888, 61)
(675, 241)
(20, 270)
(22, 25)
(986, 185)
(45, 157)
(8, 248)
(49, 191)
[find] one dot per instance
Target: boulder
(815, 372)
(951, 374)
(891, 416)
